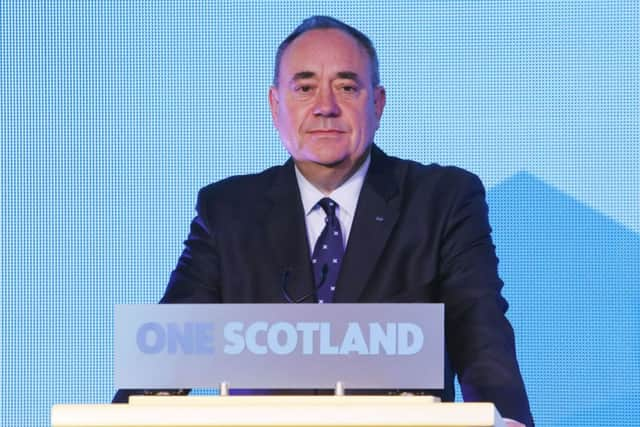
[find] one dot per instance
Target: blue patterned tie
(328, 253)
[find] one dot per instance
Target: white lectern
(249, 411)
(290, 346)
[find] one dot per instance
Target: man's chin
(331, 163)
(319, 164)
(334, 160)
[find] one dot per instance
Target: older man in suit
(404, 232)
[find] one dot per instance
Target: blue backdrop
(115, 113)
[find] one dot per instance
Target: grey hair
(318, 22)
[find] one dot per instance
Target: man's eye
(349, 89)
(304, 89)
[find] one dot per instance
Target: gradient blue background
(115, 113)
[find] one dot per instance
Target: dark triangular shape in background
(572, 276)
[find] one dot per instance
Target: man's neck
(328, 178)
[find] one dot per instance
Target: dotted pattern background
(114, 114)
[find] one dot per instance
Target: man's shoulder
(413, 173)
(243, 187)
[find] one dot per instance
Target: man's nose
(326, 104)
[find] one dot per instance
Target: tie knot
(329, 207)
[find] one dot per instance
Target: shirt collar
(346, 196)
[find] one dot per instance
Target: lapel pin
(379, 219)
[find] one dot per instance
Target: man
(405, 232)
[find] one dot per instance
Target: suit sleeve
(480, 339)
(194, 280)
(196, 277)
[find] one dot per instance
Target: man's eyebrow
(350, 75)
(303, 75)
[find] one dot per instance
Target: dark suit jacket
(433, 244)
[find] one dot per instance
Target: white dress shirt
(346, 197)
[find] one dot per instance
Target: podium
(279, 346)
(262, 411)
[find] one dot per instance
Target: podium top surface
(328, 401)
(262, 411)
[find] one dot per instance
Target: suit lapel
(377, 212)
(286, 233)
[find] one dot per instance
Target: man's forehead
(319, 48)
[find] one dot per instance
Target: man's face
(325, 107)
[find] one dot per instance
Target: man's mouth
(327, 132)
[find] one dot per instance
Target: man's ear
(274, 103)
(379, 101)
